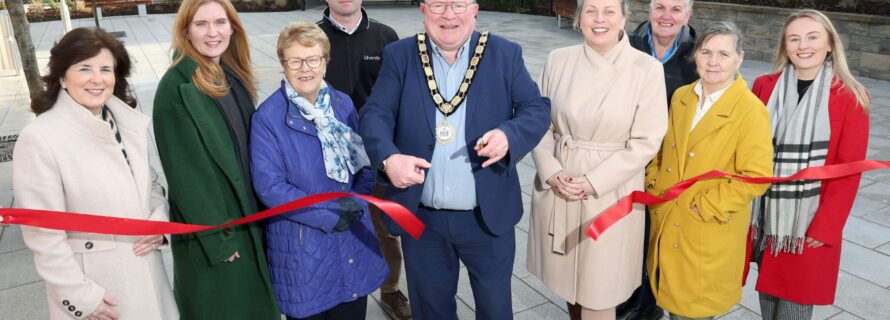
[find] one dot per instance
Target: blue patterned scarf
(342, 148)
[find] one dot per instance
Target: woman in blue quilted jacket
(324, 260)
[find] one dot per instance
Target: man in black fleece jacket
(356, 56)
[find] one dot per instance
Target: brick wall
(866, 38)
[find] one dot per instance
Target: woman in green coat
(202, 113)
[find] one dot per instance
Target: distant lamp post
(66, 15)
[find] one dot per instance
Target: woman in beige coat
(609, 116)
(87, 151)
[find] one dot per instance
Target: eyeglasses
(297, 63)
(456, 7)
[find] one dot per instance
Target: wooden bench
(563, 8)
(115, 3)
(97, 5)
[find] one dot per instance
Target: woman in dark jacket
(324, 260)
(202, 113)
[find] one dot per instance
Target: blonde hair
(837, 54)
(305, 33)
(209, 77)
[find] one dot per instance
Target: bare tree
(22, 31)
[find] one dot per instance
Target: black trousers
(645, 291)
(432, 265)
(355, 309)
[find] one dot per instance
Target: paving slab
(544, 311)
(845, 316)
(523, 296)
(863, 206)
(11, 240)
(866, 233)
(866, 264)
(885, 249)
(862, 298)
(25, 302)
(877, 191)
(740, 314)
(519, 269)
(881, 216)
(17, 268)
(539, 286)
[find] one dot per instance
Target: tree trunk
(22, 31)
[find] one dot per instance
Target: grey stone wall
(866, 38)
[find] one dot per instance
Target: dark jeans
(348, 310)
(646, 297)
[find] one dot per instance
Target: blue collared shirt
(449, 182)
(670, 52)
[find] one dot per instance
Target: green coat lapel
(213, 129)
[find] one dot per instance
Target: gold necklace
(448, 107)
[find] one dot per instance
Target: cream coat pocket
(87, 243)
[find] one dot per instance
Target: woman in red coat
(819, 117)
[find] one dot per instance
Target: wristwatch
(382, 167)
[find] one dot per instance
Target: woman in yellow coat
(697, 247)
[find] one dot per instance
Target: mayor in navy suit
(451, 114)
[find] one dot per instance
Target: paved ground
(863, 291)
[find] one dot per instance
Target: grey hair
(721, 28)
(625, 10)
(687, 3)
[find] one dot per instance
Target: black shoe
(625, 307)
(650, 312)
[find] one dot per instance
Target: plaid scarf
(800, 135)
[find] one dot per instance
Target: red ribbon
(624, 206)
(136, 227)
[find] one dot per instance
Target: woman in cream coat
(609, 116)
(71, 159)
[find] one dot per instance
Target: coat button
(351, 261)
(676, 224)
(676, 246)
(692, 154)
(673, 145)
(227, 232)
(88, 245)
(65, 303)
(355, 295)
(669, 170)
(78, 314)
(71, 308)
(290, 122)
